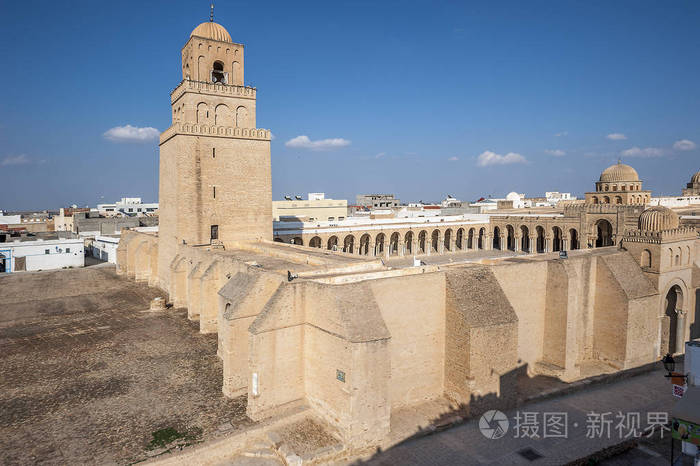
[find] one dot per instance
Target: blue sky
(466, 98)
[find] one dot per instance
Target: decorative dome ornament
(619, 173)
(658, 219)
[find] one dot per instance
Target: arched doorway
(541, 245)
(3, 264)
(556, 239)
(470, 239)
(496, 238)
(605, 234)
(333, 243)
(480, 242)
(349, 244)
(422, 238)
(673, 334)
(408, 242)
(435, 241)
(447, 240)
(298, 241)
(394, 244)
(510, 240)
(379, 244)
(364, 244)
(524, 239)
(315, 242)
(573, 239)
(459, 243)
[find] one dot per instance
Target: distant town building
(377, 200)
(93, 223)
(64, 220)
(104, 248)
(25, 252)
(129, 206)
(315, 208)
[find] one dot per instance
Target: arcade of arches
(521, 234)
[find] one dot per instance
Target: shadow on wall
(695, 327)
(515, 388)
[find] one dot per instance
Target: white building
(105, 248)
(555, 196)
(670, 201)
(31, 254)
(128, 206)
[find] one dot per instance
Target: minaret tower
(215, 186)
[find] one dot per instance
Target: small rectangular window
(214, 232)
(67, 250)
(46, 251)
(213, 152)
(214, 192)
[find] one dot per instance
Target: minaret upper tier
(211, 56)
(211, 99)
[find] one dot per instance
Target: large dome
(619, 172)
(212, 30)
(658, 219)
(695, 178)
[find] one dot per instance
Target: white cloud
(303, 142)
(380, 155)
(616, 137)
(555, 152)
(645, 152)
(491, 158)
(21, 159)
(563, 133)
(684, 144)
(453, 159)
(130, 133)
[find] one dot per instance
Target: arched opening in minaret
(217, 74)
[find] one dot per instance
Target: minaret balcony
(194, 129)
(209, 88)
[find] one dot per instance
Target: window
(46, 251)
(217, 74)
(213, 152)
(214, 188)
(214, 232)
(330, 219)
(67, 250)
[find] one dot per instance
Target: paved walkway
(465, 444)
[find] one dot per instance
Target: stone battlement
(212, 89)
(212, 130)
(658, 237)
(574, 210)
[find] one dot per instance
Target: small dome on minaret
(212, 30)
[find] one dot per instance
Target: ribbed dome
(695, 178)
(658, 219)
(211, 30)
(619, 172)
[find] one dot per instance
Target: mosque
(355, 340)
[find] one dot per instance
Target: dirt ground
(89, 376)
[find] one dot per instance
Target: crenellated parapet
(658, 237)
(209, 88)
(213, 130)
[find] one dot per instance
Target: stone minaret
(215, 186)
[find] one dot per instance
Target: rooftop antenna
(211, 14)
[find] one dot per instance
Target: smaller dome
(695, 178)
(658, 219)
(513, 196)
(212, 30)
(619, 172)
